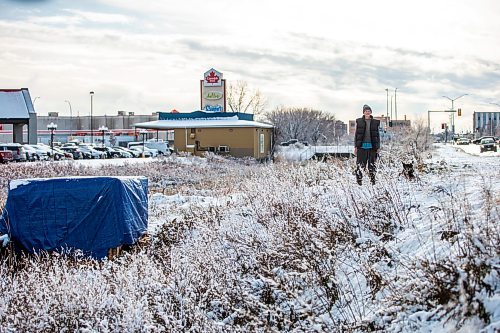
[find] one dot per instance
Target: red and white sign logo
(213, 78)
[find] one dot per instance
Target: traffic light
(443, 126)
(459, 112)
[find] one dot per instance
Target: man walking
(366, 144)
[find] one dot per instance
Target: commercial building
(120, 129)
(234, 134)
(486, 123)
(16, 112)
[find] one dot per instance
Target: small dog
(408, 171)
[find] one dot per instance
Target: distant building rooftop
(201, 119)
(15, 104)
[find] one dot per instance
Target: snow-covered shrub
(276, 247)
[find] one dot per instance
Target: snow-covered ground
(434, 205)
(286, 247)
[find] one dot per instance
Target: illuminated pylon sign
(213, 91)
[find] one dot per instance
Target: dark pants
(366, 157)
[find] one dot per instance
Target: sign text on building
(213, 95)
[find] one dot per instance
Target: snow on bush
(277, 247)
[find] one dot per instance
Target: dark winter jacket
(374, 132)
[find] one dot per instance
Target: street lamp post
(91, 117)
(452, 109)
(37, 97)
(70, 118)
(395, 105)
(52, 127)
(143, 132)
(103, 129)
(387, 109)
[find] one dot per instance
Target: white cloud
(146, 56)
(100, 17)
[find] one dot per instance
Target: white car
(34, 153)
(161, 146)
(147, 151)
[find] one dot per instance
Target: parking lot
(15, 152)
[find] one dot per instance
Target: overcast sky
(147, 56)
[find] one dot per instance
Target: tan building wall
(242, 142)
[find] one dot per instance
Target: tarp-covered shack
(92, 214)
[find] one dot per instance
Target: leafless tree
(303, 124)
(241, 99)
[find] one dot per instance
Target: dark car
(488, 145)
(62, 155)
(289, 142)
(478, 141)
(110, 152)
(77, 154)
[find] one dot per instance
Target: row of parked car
(15, 152)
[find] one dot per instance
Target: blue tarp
(92, 214)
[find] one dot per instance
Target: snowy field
(237, 246)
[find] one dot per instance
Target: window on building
(261, 143)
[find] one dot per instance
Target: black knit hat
(366, 107)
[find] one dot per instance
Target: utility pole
(391, 110)
(91, 117)
(387, 110)
(395, 105)
(453, 114)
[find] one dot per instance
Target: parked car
(64, 154)
(31, 154)
(147, 152)
(74, 151)
(5, 155)
(161, 146)
(463, 141)
(488, 145)
(90, 152)
(18, 152)
(35, 154)
(289, 142)
(110, 152)
(51, 152)
(478, 141)
(133, 153)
